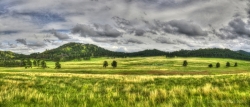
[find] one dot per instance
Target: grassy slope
(145, 65)
(88, 90)
(69, 87)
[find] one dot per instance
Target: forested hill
(81, 51)
(4, 55)
(212, 53)
(85, 51)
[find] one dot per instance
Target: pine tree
(185, 63)
(114, 64)
(210, 65)
(105, 64)
(227, 64)
(235, 64)
(57, 65)
(217, 65)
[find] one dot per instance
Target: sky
(28, 26)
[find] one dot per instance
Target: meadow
(143, 66)
(140, 82)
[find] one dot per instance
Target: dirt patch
(179, 73)
(155, 72)
(233, 72)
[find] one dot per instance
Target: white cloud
(22, 19)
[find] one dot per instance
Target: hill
(4, 55)
(243, 52)
(81, 51)
(211, 53)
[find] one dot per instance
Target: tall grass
(88, 90)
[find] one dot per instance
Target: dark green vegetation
(78, 51)
(211, 53)
(140, 66)
(78, 75)
(77, 90)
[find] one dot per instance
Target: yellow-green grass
(44, 89)
(144, 65)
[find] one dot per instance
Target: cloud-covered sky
(28, 26)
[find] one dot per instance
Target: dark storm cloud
(60, 36)
(248, 9)
(42, 17)
(164, 40)
(8, 32)
(36, 44)
(181, 27)
(236, 28)
(22, 41)
(139, 32)
(128, 26)
(132, 40)
(121, 22)
(100, 31)
(239, 27)
(104, 40)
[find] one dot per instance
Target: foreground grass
(88, 90)
(145, 66)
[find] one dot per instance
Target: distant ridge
(10, 55)
(211, 53)
(71, 51)
(81, 51)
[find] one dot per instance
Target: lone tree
(105, 64)
(210, 65)
(227, 64)
(235, 64)
(114, 64)
(217, 65)
(57, 65)
(43, 64)
(185, 63)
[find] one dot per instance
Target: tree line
(185, 64)
(27, 63)
(210, 53)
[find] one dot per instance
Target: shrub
(210, 65)
(227, 64)
(236, 64)
(217, 65)
(105, 64)
(114, 64)
(185, 63)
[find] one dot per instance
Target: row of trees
(210, 53)
(218, 65)
(113, 64)
(27, 63)
(185, 63)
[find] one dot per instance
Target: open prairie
(144, 66)
(140, 81)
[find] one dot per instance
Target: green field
(144, 65)
(140, 81)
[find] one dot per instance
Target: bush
(57, 65)
(236, 64)
(105, 64)
(210, 65)
(114, 64)
(185, 63)
(217, 65)
(227, 64)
